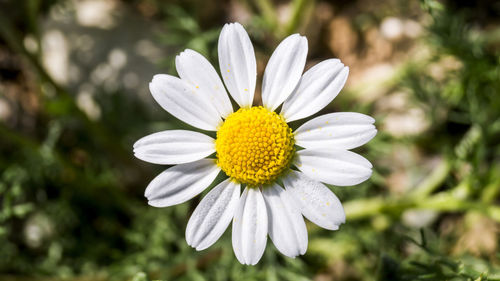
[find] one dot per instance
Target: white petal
(250, 227)
(180, 183)
(197, 70)
(184, 101)
(283, 70)
(316, 89)
(212, 216)
(337, 167)
(344, 130)
(174, 147)
(287, 228)
(316, 202)
(237, 63)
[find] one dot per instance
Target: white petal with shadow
(174, 147)
(332, 166)
(287, 228)
(237, 63)
(213, 215)
(185, 102)
(283, 71)
(345, 130)
(197, 70)
(316, 201)
(250, 227)
(316, 89)
(180, 183)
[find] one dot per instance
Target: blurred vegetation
(71, 193)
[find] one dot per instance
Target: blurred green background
(74, 98)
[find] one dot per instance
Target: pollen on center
(254, 146)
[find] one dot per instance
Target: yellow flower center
(254, 145)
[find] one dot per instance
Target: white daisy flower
(282, 172)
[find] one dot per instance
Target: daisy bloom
(282, 171)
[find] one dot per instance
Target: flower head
(255, 148)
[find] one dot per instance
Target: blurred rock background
(74, 98)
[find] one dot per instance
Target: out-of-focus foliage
(71, 192)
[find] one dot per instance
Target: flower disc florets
(254, 145)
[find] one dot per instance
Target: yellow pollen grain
(254, 146)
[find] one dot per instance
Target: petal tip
(152, 203)
(156, 77)
(199, 249)
(136, 144)
(345, 71)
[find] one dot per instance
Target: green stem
(493, 212)
(433, 181)
(441, 202)
(296, 18)
(268, 13)
(362, 208)
(445, 201)
(491, 191)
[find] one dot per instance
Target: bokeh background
(74, 98)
